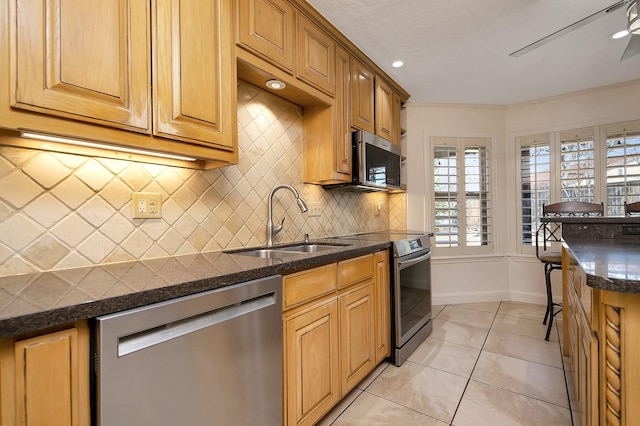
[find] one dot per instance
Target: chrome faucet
(271, 229)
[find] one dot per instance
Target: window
(535, 182)
(623, 168)
(592, 164)
(462, 202)
(577, 165)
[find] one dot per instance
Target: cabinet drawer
(306, 285)
(355, 270)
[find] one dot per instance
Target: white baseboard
(535, 298)
(492, 296)
(484, 296)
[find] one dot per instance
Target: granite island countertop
(37, 301)
(610, 264)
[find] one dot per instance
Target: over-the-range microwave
(375, 162)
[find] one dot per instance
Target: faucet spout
(271, 229)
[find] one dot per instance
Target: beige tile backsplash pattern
(61, 211)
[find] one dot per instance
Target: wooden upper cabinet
(395, 117)
(362, 96)
(267, 28)
(83, 60)
(342, 110)
(385, 123)
(194, 74)
(316, 56)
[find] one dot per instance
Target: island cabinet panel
(267, 28)
(45, 379)
(316, 56)
(362, 96)
(193, 72)
(83, 60)
(581, 342)
(619, 366)
(311, 340)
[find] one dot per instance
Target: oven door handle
(407, 263)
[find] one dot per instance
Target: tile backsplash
(61, 211)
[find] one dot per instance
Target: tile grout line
(474, 365)
(564, 371)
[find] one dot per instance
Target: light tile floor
(484, 364)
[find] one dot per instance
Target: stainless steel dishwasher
(214, 358)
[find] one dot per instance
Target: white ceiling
(458, 51)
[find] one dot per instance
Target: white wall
(505, 275)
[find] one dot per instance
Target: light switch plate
(146, 205)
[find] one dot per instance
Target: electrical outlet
(315, 210)
(377, 208)
(146, 205)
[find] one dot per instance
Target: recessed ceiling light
(620, 34)
(397, 64)
(275, 84)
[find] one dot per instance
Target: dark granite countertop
(610, 264)
(37, 301)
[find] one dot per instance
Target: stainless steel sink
(263, 253)
(288, 250)
(311, 247)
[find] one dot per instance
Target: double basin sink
(292, 249)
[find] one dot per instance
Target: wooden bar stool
(548, 237)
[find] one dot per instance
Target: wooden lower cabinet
(311, 362)
(357, 340)
(382, 289)
(44, 380)
(330, 338)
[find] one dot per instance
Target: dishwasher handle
(143, 339)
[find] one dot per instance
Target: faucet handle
(278, 228)
(306, 238)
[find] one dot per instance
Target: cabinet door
(395, 117)
(194, 72)
(316, 56)
(342, 110)
(362, 96)
(384, 111)
(357, 340)
(311, 363)
(588, 375)
(83, 60)
(267, 28)
(45, 379)
(382, 306)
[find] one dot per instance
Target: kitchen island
(601, 317)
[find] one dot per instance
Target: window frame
(488, 142)
(600, 135)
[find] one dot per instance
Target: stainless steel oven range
(411, 289)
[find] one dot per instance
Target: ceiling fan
(632, 49)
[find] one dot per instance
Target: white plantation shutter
(462, 194)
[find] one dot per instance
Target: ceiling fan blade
(568, 29)
(633, 48)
